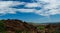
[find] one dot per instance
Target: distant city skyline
(35, 11)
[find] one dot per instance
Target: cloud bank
(40, 7)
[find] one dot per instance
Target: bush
(40, 27)
(2, 28)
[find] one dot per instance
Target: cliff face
(19, 26)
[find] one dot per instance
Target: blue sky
(36, 11)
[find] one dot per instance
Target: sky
(35, 11)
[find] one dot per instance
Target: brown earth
(12, 25)
(18, 26)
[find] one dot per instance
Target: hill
(16, 26)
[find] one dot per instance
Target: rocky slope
(18, 26)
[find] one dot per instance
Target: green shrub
(18, 31)
(40, 27)
(2, 28)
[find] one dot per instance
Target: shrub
(2, 28)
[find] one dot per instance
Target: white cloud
(9, 3)
(26, 10)
(48, 7)
(5, 6)
(31, 5)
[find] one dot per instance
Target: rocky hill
(17, 26)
